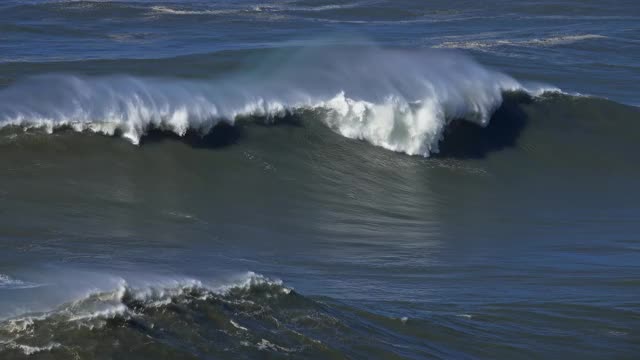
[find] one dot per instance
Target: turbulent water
(315, 179)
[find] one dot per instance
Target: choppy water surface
(316, 179)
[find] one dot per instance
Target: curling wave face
(398, 100)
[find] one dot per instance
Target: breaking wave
(398, 100)
(134, 305)
(187, 318)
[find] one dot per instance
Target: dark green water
(306, 179)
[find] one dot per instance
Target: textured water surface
(316, 179)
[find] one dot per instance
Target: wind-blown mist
(400, 100)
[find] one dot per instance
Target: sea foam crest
(398, 100)
(126, 300)
(135, 301)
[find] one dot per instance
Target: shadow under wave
(223, 134)
(466, 140)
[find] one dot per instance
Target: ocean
(319, 179)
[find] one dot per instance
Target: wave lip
(398, 100)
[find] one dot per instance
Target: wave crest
(134, 305)
(126, 300)
(399, 100)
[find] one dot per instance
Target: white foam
(97, 305)
(327, 7)
(161, 9)
(20, 325)
(563, 39)
(398, 100)
(534, 42)
(106, 313)
(7, 282)
(172, 11)
(249, 280)
(238, 326)
(265, 344)
(30, 350)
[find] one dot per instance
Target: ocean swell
(398, 100)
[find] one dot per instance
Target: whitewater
(399, 100)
